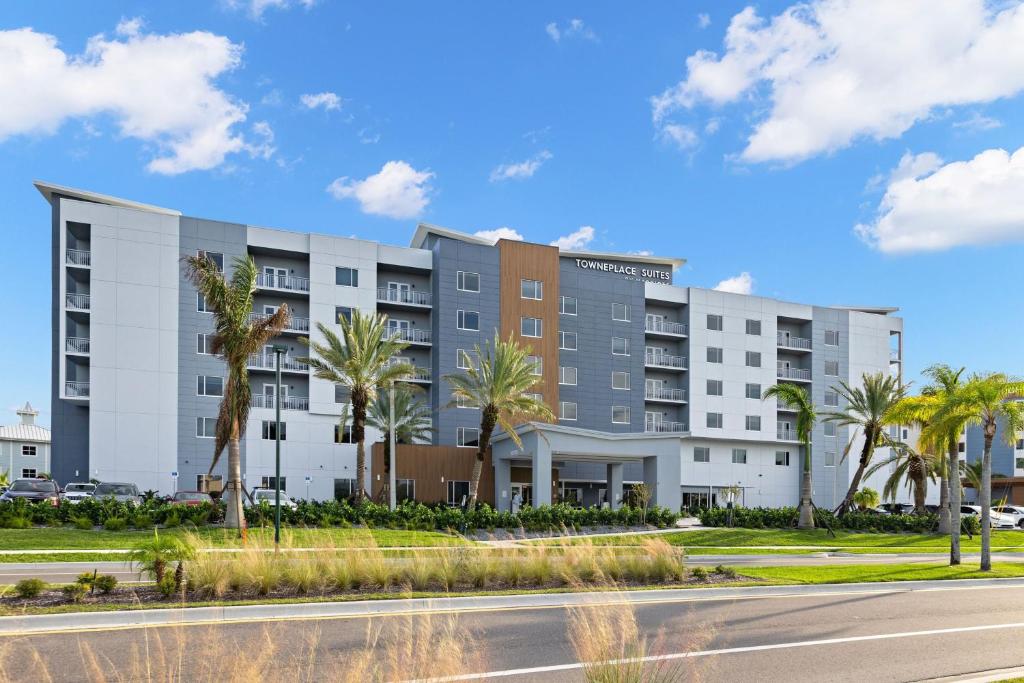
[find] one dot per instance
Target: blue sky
(746, 140)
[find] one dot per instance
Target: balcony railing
(793, 373)
(76, 344)
(403, 296)
(295, 324)
(782, 405)
(77, 257)
(664, 360)
(78, 302)
(664, 394)
(786, 435)
(792, 342)
(665, 427)
(419, 375)
(412, 336)
(269, 362)
(665, 327)
(290, 282)
(287, 403)
(76, 389)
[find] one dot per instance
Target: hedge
(786, 518)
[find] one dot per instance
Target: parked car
(120, 491)
(1014, 512)
(898, 508)
(33, 490)
(77, 492)
(190, 498)
(998, 520)
(268, 495)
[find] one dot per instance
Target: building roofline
(579, 431)
(50, 189)
(877, 310)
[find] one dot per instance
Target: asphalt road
(889, 635)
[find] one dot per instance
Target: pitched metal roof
(22, 432)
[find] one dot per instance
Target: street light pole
(278, 351)
(392, 443)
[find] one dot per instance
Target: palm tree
(497, 381)
(866, 498)
(796, 397)
(869, 409)
(913, 466)
(986, 400)
(413, 420)
(362, 361)
(236, 337)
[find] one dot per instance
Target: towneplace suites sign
(635, 272)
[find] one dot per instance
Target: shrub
(166, 585)
(74, 591)
(699, 573)
(786, 518)
(29, 588)
(82, 522)
(105, 583)
(115, 524)
(142, 521)
(15, 521)
(727, 572)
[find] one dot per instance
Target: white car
(998, 520)
(269, 495)
(1014, 512)
(76, 493)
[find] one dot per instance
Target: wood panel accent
(428, 465)
(525, 261)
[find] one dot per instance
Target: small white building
(25, 447)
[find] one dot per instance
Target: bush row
(786, 518)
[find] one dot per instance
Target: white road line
(723, 651)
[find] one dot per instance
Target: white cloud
(553, 32)
(397, 191)
(909, 166)
(642, 252)
(703, 20)
(129, 27)
(575, 240)
(521, 170)
(712, 126)
(264, 149)
(977, 121)
(156, 88)
(830, 72)
(367, 137)
(273, 98)
(574, 28)
(740, 284)
(681, 136)
(327, 100)
(960, 203)
(503, 233)
(256, 8)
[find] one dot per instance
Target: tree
(796, 397)
(157, 555)
(497, 381)
(913, 466)
(868, 409)
(986, 400)
(413, 421)
(866, 498)
(236, 337)
(361, 360)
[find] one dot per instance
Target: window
(782, 458)
(830, 458)
(538, 365)
(714, 354)
(753, 359)
(270, 430)
(753, 423)
(341, 394)
(831, 337)
(739, 456)
(344, 489)
(342, 434)
(468, 437)
(832, 368)
(620, 312)
(468, 282)
(531, 327)
(405, 489)
(469, 320)
(531, 289)
(701, 454)
(754, 327)
(620, 415)
(346, 277)
(567, 375)
(753, 390)
(458, 492)
(567, 305)
(961, 447)
(206, 427)
(536, 397)
(714, 387)
(208, 385)
(1020, 444)
(620, 380)
(567, 340)
(714, 322)
(831, 397)
(203, 343)
(462, 359)
(714, 421)
(566, 410)
(342, 313)
(830, 429)
(620, 346)
(215, 256)
(28, 473)
(464, 402)
(201, 304)
(271, 483)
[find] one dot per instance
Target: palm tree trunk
(234, 518)
(920, 490)
(806, 510)
(487, 421)
(944, 514)
(985, 500)
(865, 456)
(359, 436)
(953, 478)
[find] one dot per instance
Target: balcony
(665, 327)
(403, 297)
(786, 435)
(287, 403)
(665, 394)
(419, 375)
(76, 344)
(78, 257)
(413, 336)
(795, 374)
(76, 389)
(288, 283)
(664, 427)
(76, 302)
(784, 407)
(787, 341)
(664, 360)
(259, 361)
(294, 324)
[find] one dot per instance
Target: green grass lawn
(882, 573)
